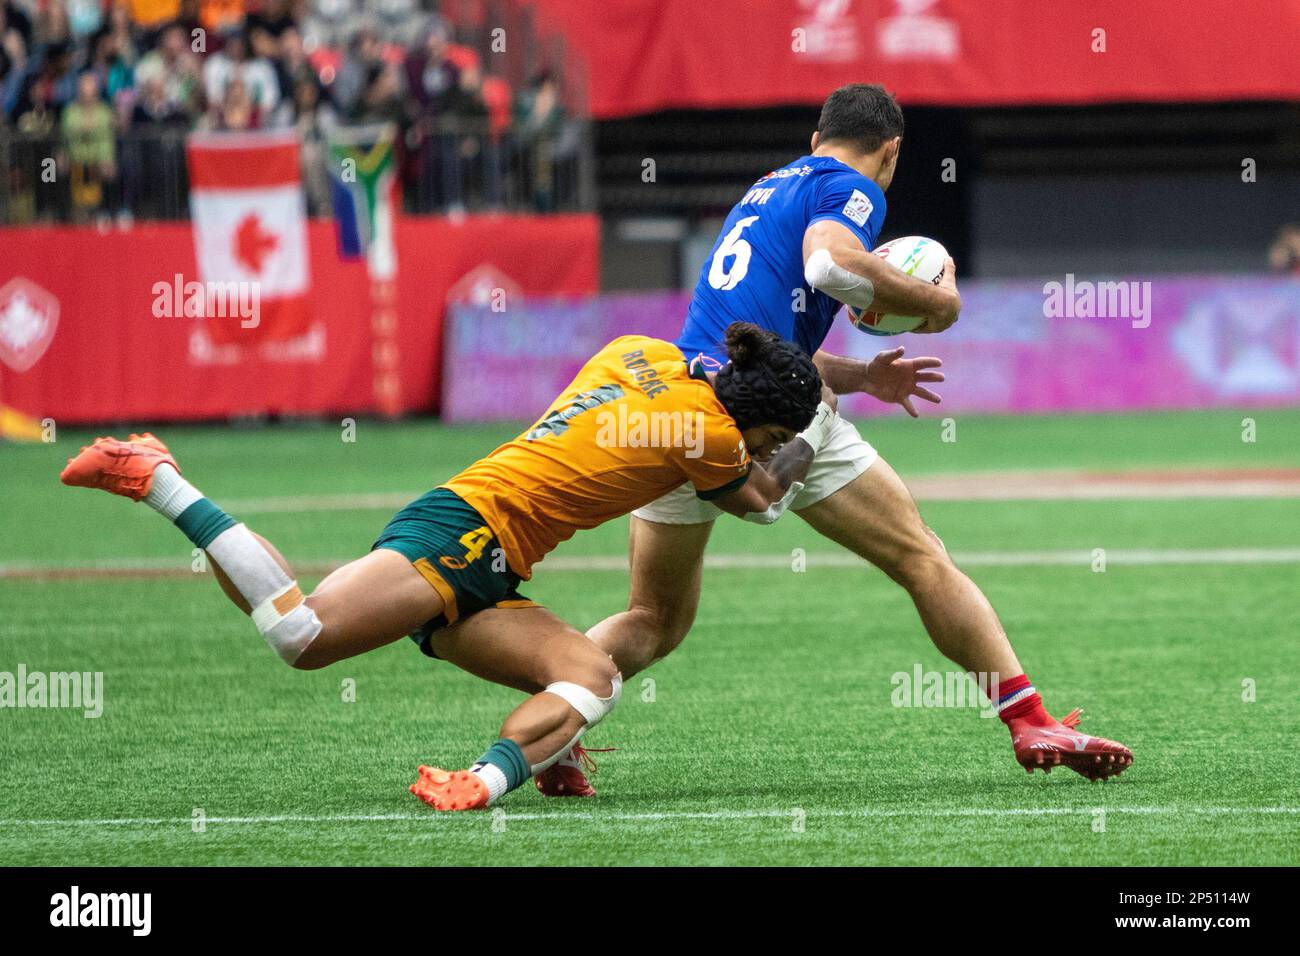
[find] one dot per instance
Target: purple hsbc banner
(1061, 345)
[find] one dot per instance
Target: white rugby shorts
(844, 456)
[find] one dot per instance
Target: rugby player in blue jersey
(793, 251)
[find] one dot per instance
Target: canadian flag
(250, 228)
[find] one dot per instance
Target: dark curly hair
(862, 114)
(769, 381)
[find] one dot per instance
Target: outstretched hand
(896, 380)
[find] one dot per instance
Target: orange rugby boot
(450, 790)
(121, 467)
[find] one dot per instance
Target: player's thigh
(875, 517)
(372, 601)
(667, 568)
(526, 648)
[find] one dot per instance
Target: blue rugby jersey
(756, 265)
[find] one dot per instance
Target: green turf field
(769, 738)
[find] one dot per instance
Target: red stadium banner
(646, 55)
(82, 338)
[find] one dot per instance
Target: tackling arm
(763, 496)
(767, 486)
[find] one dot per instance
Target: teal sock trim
(202, 521)
(506, 756)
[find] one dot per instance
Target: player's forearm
(764, 494)
(841, 375)
(788, 465)
(769, 483)
(896, 291)
(792, 460)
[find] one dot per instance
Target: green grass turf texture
(769, 738)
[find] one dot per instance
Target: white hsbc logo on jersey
(858, 208)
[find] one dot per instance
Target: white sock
(170, 494)
(491, 775)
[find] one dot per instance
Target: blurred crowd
(106, 80)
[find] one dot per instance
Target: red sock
(1018, 700)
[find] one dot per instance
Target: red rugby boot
(1059, 744)
(567, 777)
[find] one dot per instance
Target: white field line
(180, 567)
(1082, 486)
(863, 813)
(1031, 486)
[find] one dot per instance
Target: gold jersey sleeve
(631, 426)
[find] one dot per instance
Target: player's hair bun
(746, 343)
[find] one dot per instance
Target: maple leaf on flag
(253, 243)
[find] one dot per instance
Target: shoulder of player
(838, 176)
(646, 368)
(634, 352)
(847, 192)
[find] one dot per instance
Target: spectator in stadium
(433, 79)
(50, 26)
(312, 120)
(13, 62)
(155, 153)
(381, 100)
(153, 107)
(50, 70)
(32, 196)
(14, 17)
(1284, 256)
(270, 47)
(126, 39)
(88, 137)
(291, 69)
(539, 121)
(176, 66)
(40, 115)
(364, 53)
(256, 74)
(114, 73)
(264, 44)
(430, 74)
(470, 123)
(238, 110)
(273, 16)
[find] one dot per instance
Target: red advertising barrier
(645, 55)
(93, 325)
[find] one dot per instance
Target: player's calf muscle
(228, 586)
(664, 594)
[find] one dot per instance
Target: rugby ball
(917, 256)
